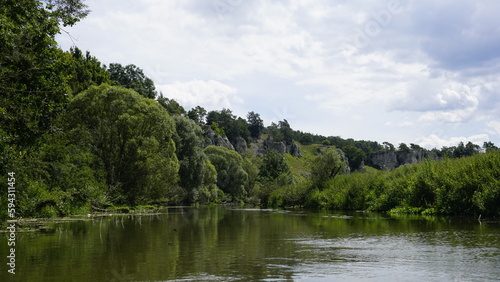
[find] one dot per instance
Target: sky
(423, 72)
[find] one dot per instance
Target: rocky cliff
(388, 160)
(258, 146)
(213, 139)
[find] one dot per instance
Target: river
(233, 244)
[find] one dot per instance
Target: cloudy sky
(424, 72)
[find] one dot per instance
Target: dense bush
(469, 185)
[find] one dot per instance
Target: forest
(77, 136)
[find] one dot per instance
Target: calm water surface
(228, 244)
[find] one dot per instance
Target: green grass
(300, 167)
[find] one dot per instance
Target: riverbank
(464, 186)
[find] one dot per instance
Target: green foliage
(403, 147)
(274, 132)
(58, 178)
(131, 136)
(231, 177)
(198, 114)
(68, 12)
(252, 165)
(232, 126)
(354, 155)
(290, 195)
(326, 166)
(273, 165)
(255, 124)
(32, 73)
(460, 186)
(208, 191)
(193, 162)
(286, 131)
(132, 77)
(172, 106)
(84, 71)
(274, 173)
(217, 129)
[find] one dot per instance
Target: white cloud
(419, 69)
(434, 141)
(399, 124)
(212, 95)
(494, 127)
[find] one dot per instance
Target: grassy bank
(468, 185)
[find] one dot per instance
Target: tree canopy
(132, 77)
(131, 135)
(326, 165)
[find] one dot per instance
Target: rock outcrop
(217, 140)
(389, 160)
(257, 147)
(274, 145)
(241, 145)
(294, 149)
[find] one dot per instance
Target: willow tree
(131, 135)
(231, 176)
(327, 165)
(197, 175)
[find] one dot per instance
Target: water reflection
(225, 244)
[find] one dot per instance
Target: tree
(459, 150)
(68, 12)
(403, 147)
(84, 71)
(489, 146)
(59, 177)
(273, 165)
(274, 132)
(286, 130)
(251, 165)
(354, 155)
(326, 166)
(32, 74)
(131, 136)
(172, 106)
(198, 114)
(307, 139)
(132, 77)
(389, 147)
(232, 126)
(231, 177)
(188, 139)
(415, 147)
(471, 149)
(255, 124)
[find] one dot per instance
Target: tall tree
(232, 126)
(354, 155)
(286, 130)
(171, 105)
(84, 70)
(326, 166)
(188, 139)
(132, 77)
(68, 12)
(32, 74)
(198, 114)
(231, 177)
(132, 136)
(255, 124)
(273, 165)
